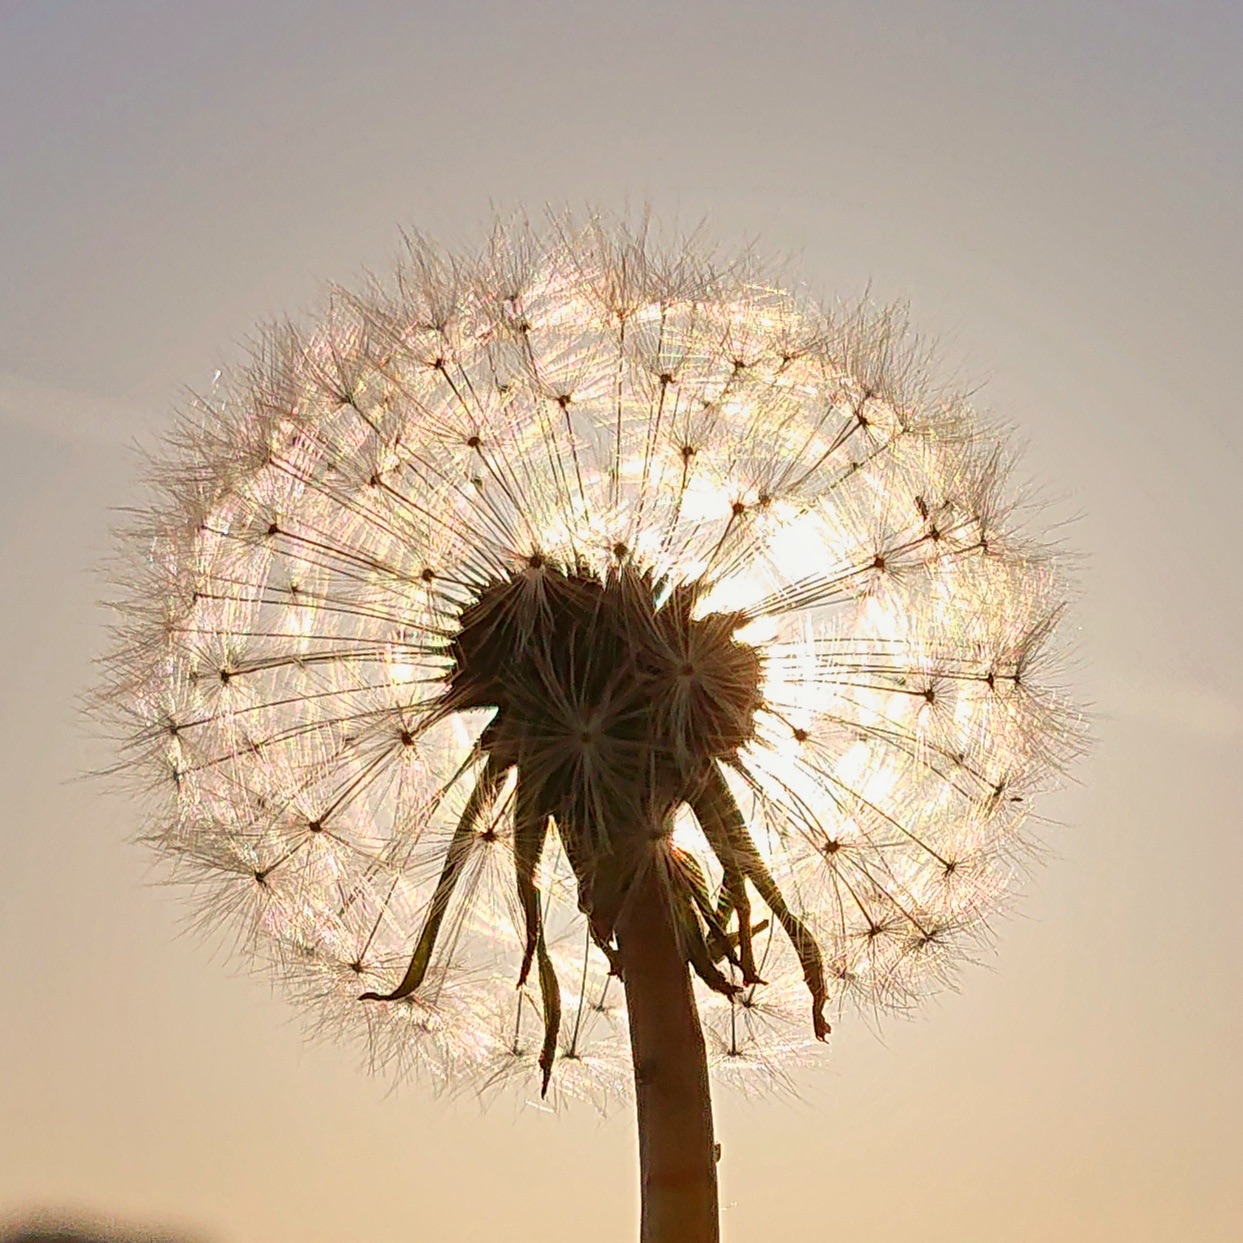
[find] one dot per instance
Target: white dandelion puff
(565, 573)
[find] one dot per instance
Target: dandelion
(571, 640)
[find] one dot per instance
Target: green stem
(677, 1159)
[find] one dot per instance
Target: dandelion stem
(677, 1162)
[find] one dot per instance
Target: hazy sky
(1058, 189)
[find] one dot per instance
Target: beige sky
(1058, 190)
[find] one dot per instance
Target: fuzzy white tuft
(568, 402)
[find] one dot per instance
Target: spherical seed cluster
(571, 558)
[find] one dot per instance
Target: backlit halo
(451, 605)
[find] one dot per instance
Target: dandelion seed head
(540, 566)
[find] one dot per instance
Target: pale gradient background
(1058, 189)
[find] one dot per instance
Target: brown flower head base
(615, 703)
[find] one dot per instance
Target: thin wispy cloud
(1185, 706)
(68, 415)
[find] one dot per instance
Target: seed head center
(600, 664)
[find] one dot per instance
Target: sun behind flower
(559, 563)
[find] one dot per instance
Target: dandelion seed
(583, 609)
